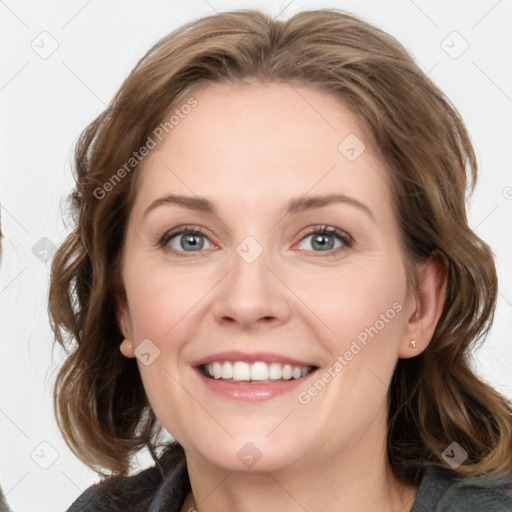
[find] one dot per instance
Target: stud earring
(412, 344)
(129, 345)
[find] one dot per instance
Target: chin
(248, 454)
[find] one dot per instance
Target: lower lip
(249, 392)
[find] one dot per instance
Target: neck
(356, 479)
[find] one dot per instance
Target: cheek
(355, 298)
(160, 298)
(162, 310)
(363, 310)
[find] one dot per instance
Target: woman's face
(263, 291)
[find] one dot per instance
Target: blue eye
(188, 240)
(324, 239)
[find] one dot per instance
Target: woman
(272, 263)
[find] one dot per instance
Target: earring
(412, 344)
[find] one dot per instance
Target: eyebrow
(297, 205)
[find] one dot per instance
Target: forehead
(249, 141)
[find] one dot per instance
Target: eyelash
(344, 237)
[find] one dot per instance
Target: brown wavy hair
(435, 398)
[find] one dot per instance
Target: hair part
(435, 398)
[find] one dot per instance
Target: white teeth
(241, 371)
(258, 371)
(217, 370)
(275, 371)
(227, 370)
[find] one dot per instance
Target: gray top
(441, 490)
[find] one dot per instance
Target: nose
(252, 294)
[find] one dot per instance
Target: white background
(47, 102)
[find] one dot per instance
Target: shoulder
(151, 488)
(443, 490)
(119, 493)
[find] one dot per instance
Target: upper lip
(253, 357)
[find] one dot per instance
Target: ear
(424, 305)
(124, 323)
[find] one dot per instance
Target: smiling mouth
(258, 372)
